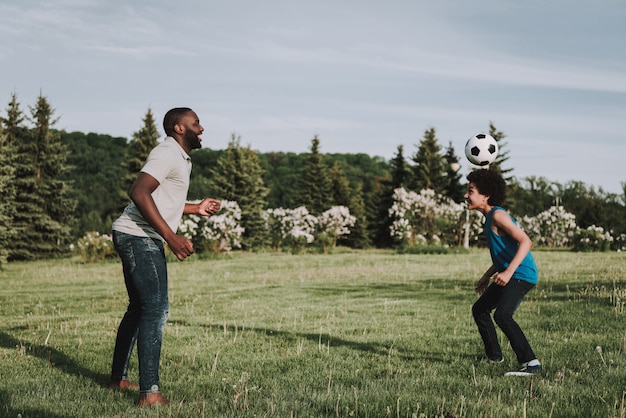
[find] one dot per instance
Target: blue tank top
(503, 249)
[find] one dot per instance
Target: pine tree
(454, 189)
(7, 195)
(400, 177)
(378, 201)
(358, 237)
(44, 207)
(340, 186)
(315, 184)
(143, 141)
(238, 176)
(429, 168)
(14, 132)
(400, 171)
(503, 154)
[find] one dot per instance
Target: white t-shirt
(170, 165)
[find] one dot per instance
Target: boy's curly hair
(489, 183)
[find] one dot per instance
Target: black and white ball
(481, 149)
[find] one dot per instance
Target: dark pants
(505, 300)
(145, 276)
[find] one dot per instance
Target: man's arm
(206, 207)
(141, 194)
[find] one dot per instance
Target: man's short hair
(172, 118)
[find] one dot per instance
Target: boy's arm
(483, 282)
(506, 226)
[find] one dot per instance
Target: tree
(143, 141)
(340, 187)
(282, 175)
(400, 171)
(97, 175)
(429, 168)
(13, 132)
(44, 208)
(503, 154)
(238, 176)
(7, 195)
(379, 220)
(358, 237)
(315, 184)
(453, 189)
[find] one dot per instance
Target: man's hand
(208, 207)
(180, 246)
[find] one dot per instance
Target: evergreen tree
(14, 132)
(503, 154)
(43, 207)
(238, 176)
(143, 141)
(378, 202)
(400, 177)
(429, 168)
(358, 237)
(340, 187)
(7, 195)
(96, 177)
(400, 171)
(454, 189)
(315, 184)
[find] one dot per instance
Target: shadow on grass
(6, 411)
(432, 290)
(376, 348)
(57, 360)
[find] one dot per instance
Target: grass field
(351, 334)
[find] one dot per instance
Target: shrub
(552, 228)
(294, 228)
(426, 216)
(218, 233)
(593, 238)
(94, 247)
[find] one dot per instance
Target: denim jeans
(145, 276)
(505, 300)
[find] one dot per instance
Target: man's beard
(192, 139)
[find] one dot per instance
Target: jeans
(145, 276)
(505, 300)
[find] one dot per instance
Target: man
(158, 202)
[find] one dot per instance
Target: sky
(363, 76)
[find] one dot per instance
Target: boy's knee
(502, 318)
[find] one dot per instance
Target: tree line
(56, 186)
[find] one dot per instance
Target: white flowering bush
(619, 243)
(554, 227)
(332, 225)
(218, 233)
(276, 226)
(94, 247)
(592, 238)
(294, 228)
(425, 217)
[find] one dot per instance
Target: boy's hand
(501, 279)
(482, 284)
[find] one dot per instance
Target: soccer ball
(481, 149)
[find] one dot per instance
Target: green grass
(351, 334)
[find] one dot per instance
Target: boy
(513, 272)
